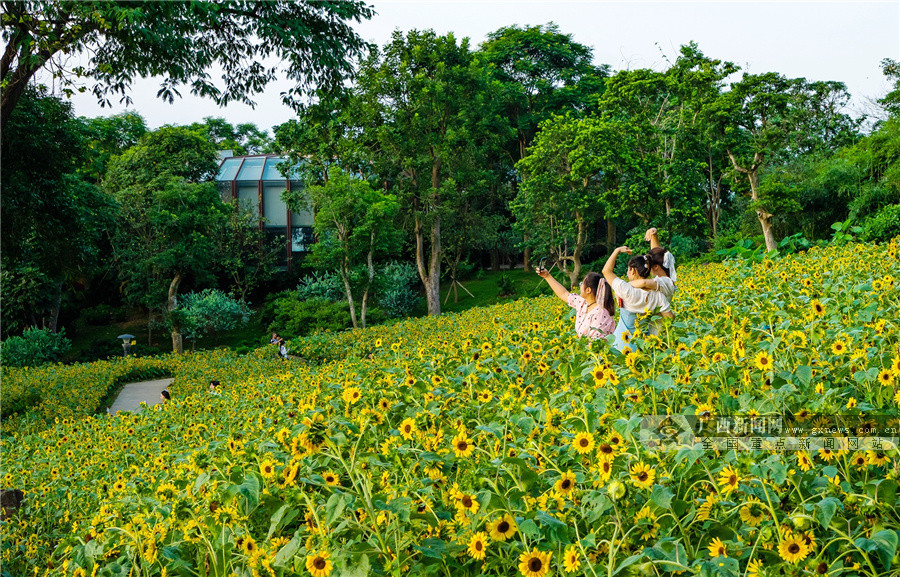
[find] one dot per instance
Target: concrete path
(133, 394)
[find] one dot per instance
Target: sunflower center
(319, 563)
(467, 501)
(642, 476)
(503, 527)
(479, 545)
(535, 564)
(583, 442)
(793, 548)
(566, 484)
(462, 446)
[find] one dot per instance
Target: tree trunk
(345, 276)
(371, 266)
(526, 258)
(765, 218)
(429, 272)
(54, 310)
(171, 304)
(495, 260)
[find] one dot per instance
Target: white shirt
(638, 300)
(666, 286)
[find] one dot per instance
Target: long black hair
(601, 291)
(642, 264)
(657, 256)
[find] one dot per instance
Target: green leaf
(434, 548)
(353, 566)
(662, 496)
(529, 529)
(287, 552)
(886, 545)
(804, 373)
(628, 562)
(825, 510)
(335, 506)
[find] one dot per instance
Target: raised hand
(649, 234)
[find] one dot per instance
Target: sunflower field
(492, 442)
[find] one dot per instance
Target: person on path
(662, 267)
(594, 308)
(634, 301)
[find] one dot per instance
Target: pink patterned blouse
(595, 323)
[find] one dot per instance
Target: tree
(355, 226)
(210, 311)
(543, 72)
(169, 215)
(106, 137)
(421, 108)
(243, 139)
(53, 221)
(179, 41)
(577, 170)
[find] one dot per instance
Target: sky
(843, 41)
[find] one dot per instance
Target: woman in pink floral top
(594, 308)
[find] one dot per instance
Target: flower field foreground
(496, 443)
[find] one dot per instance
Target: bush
(296, 318)
(396, 289)
(35, 347)
(325, 285)
(210, 312)
(506, 286)
(883, 225)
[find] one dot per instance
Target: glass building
(257, 183)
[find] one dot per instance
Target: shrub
(295, 318)
(321, 285)
(210, 312)
(35, 347)
(506, 286)
(102, 314)
(396, 289)
(883, 225)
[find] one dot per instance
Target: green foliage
(106, 137)
(243, 139)
(320, 284)
(294, 317)
(54, 222)
(210, 312)
(397, 294)
(506, 286)
(310, 43)
(883, 225)
(35, 347)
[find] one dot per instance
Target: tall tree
(108, 136)
(170, 213)
(245, 138)
(53, 220)
(355, 225)
(179, 41)
(421, 107)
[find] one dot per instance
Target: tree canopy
(179, 41)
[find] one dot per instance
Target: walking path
(133, 394)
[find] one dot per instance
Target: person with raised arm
(594, 308)
(634, 301)
(662, 267)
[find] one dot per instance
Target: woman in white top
(634, 301)
(662, 267)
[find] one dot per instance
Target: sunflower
(465, 502)
(571, 562)
(583, 443)
(803, 461)
(754, 568)
(859, 460)
(728, 480)
(318, 564)
(877, 458)
(717, 548)
(331, 478)
(478, 546)
(351, 395)
(646, 520)
(566, 484)
(408, 428)
(752, 512)
(267, 468)
(839, 347)
(895, 365)
(462, 446)
(851, 403)
(793, 548)
(763, 361)
(818, 308)
(534, 563)
(704, 411)
(503, 528)
(633, 395)
(886, 377)
(642, 475)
